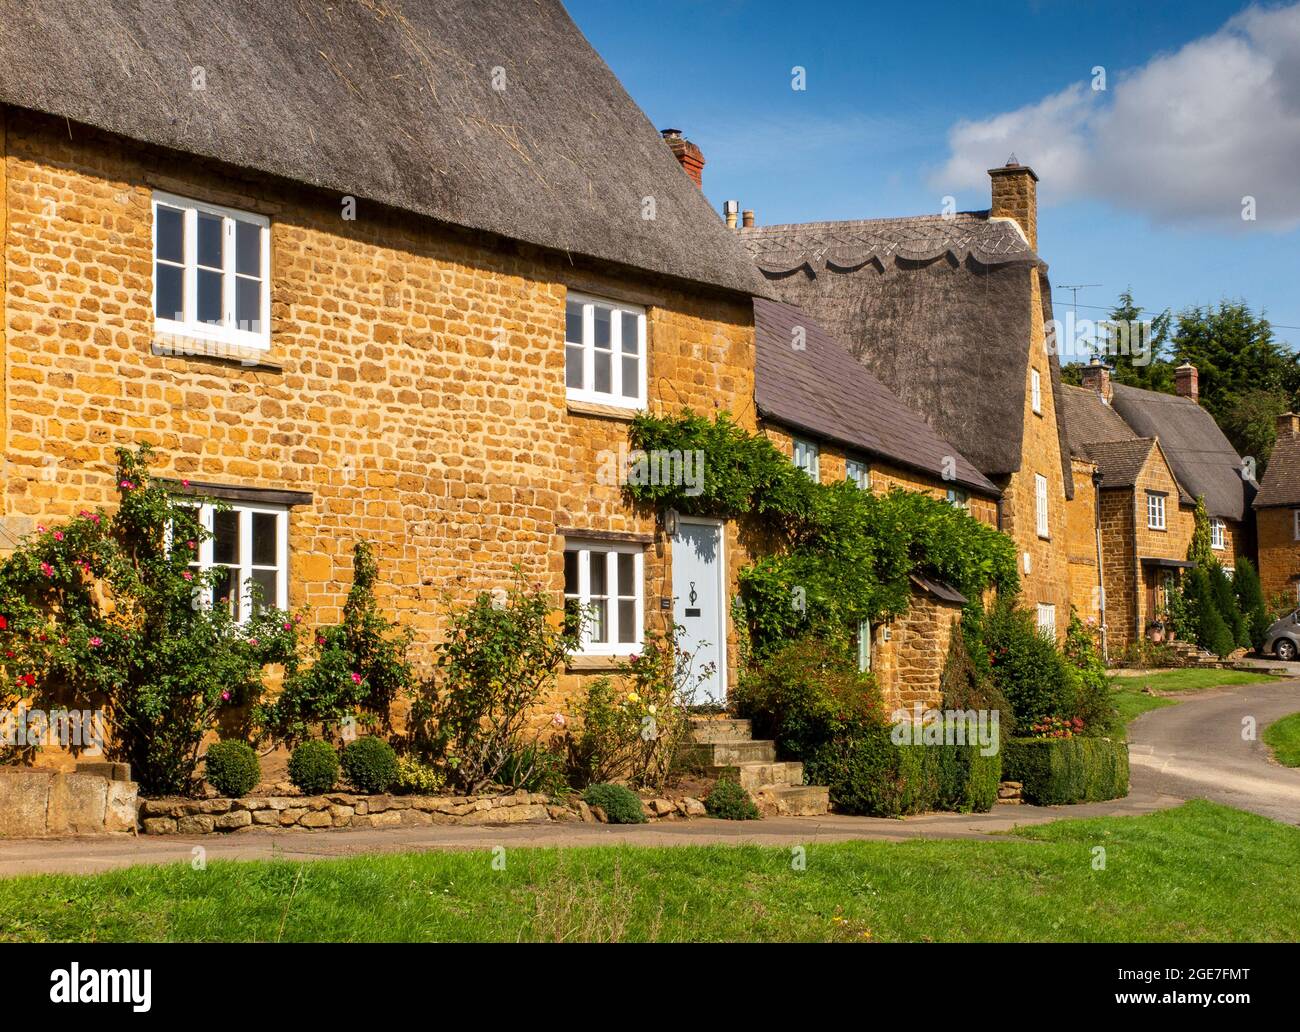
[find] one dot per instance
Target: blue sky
(1142, 183)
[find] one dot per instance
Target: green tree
(1145, 363)
(1201, 550)
(1250, 599)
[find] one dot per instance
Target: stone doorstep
(753, 776)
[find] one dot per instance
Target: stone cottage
(1142, 458)
(374, 271)
(1277, 516)
(837, 421)
(950, 313)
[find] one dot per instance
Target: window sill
(602, 411)
(582, 664)
(213, 351)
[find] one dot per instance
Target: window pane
(266, 581)
(209, 301)
(248, 249)
(601, 368)
(631, 343)
(266, 526)
(170, 232)
(225, 590)
(626, 574)
(225, 537)
(573, 322)
(210, 240)
(573, 367)
(169, 284)
(631, 377)
(603, 327)
(599, 581)
(248, 304)
(627, 621)
(598, 628)
(570, 572)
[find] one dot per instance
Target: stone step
(728, 754)
(721, 729)
(753, 776)
(795, 800)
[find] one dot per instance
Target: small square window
(603, 588)
(1155, 511)
(807, 457)
(604, 352)
(1218, 534)
(858, 473)
(1047, 620)
(249, 544)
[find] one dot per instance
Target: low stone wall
(96, 799)
(346, 810)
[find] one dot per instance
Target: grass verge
(1198, 872)
(1283, 737)
(1131, 699)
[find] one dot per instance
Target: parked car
(1283, 638)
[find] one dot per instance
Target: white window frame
(246, 510)
(189, 327)
(1041, 516)
(807, 457)
(613, 647)
(858, 471)
(1295, 518)
(1047, 619)
(1156, 511)
(864, 646)
(1036, 391)
(1218, 534)
(959, 499)
(587, 391)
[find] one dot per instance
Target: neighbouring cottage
(837, 421)
(365, 271)
(1277, 516)
(1142, 458)
(951, 313)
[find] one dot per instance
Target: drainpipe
(1101, 580)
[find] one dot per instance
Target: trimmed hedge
(869, 775)
(232, 768)
(314, 767)
(1067, 770)
(370, 764)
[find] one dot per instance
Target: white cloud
(1181, 139)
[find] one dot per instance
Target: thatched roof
(821, 390)
(391, 101)
(938, 308)
(1281, 483)
(1203, 461)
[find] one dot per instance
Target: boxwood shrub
(232, 768)
(1067, 770)
(620, 804)
(370, 764)
(729, 801)
(314, 767)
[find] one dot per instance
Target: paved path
(1192, 750)
(1196, 750)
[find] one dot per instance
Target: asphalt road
(1208, 747)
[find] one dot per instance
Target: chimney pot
(1096, 377)
(730, 210)
(1015, 196)
(747, 218)
(1288, 423)
(689, 156)
(1187, 382)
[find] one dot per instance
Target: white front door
(699, 602)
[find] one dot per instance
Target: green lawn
(1283, 736)
(1131, 701)
(1198, 872)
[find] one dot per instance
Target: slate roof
(391, 101)
(1203, 461)
(1088, 419)
(1119, 462)
(937, 308)
(821, 390)
(1281, 483)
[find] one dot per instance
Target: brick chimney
(1096, 377)
(1015, 196)
(1187, 382)
(688, 155)
(1288, 423)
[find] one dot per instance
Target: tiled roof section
(1119, 462)
(1281, 483)
(851, 244)
(939, 309)
(822, 390)
(1203, 461)
(390, 101)
(1089, 420)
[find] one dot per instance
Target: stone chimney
(687, 154)
(1187, 382)
(1015, 196)
(1288, 423)
(1096, 377)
